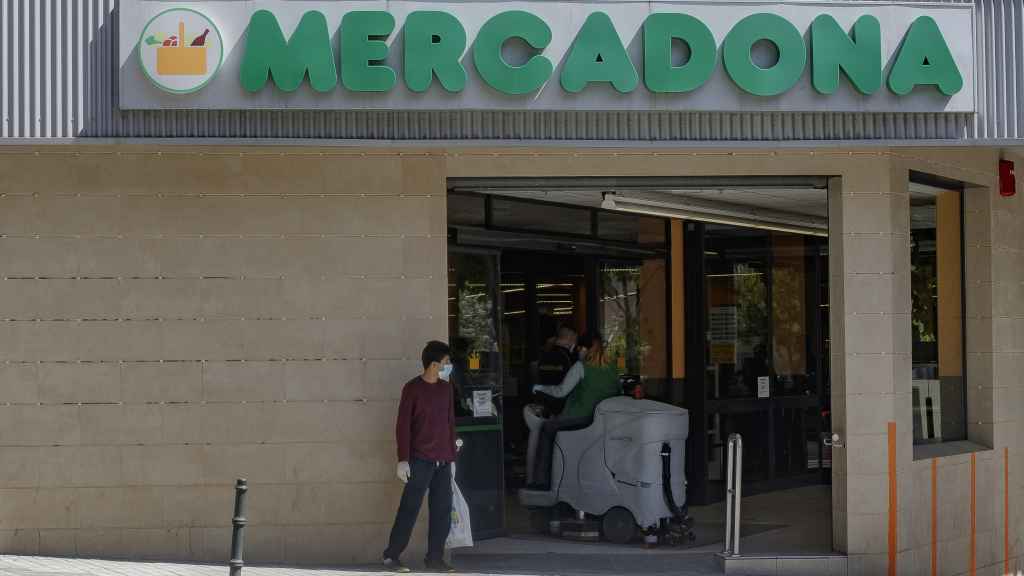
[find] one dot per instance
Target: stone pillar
(870, 302)
(995, 273)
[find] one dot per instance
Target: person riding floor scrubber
(609, 455)
(589, 381)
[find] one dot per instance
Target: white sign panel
(764, 386)
(704, 56)
(482, 407)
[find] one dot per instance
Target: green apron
(599, 383)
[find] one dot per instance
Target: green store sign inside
(434, 49)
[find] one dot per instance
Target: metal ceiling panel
(58, 80)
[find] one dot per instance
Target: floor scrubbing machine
(622, 476)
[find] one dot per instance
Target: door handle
(835, 441)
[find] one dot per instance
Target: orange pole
(893, 508)
(935, 517)
(678, 306)
(974, 526)
(1006, 510)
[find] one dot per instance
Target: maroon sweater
(426, 422)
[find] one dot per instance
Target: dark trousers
(437, 478)
(546, 446)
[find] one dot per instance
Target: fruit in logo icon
(201, 39)
(174, 58)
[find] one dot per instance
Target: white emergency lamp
(670, 206)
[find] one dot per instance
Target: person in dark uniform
(555, 362)
(557, 359)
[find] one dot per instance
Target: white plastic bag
(460, 535)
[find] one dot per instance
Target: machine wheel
(619, 526)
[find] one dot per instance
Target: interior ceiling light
(668, 206)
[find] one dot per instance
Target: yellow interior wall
(947, 214)
(789, 302)
(678, 308)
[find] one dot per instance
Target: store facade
(221, 259)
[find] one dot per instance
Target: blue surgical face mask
(446, 372)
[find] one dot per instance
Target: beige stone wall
(163, 255)
(178, 320)
(870, 288)
(994, 285)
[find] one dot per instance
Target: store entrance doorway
(760, 303)
(509, 294)
(723, 317)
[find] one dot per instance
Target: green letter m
(268, 54)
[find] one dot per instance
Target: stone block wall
(175, 319)
(945, 506)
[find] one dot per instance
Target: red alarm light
(1007, 179)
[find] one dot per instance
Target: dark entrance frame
(695, 398)
(690, 392)
(483, 236)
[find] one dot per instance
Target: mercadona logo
(180, 50)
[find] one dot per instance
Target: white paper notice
(764, 386)
(482, 404)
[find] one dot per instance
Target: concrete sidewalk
(512, 564)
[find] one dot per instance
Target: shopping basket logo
(180, 50)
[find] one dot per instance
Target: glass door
(633, 311)
(473, 328)
(763, 348)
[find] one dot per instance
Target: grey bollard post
(238, 528)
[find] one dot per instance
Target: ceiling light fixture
(667, 206)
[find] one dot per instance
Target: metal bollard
(738, 496)
(730, 459)
(733, 494)
(238, 528)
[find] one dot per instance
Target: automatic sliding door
(762, 352)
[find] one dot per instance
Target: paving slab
(483, 565)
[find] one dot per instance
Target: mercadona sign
(547, 55)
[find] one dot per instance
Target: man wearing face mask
(426, 456)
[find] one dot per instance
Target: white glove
(536, 388)
(403, 472)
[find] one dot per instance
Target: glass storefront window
(540, 217)
(634, 318)
(759, 291)
(937, 328)
(738, 311)
(471, 325)
(514, 328)
(765, 350)
(630, 228)
(790, 279)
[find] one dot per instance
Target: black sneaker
(439, 566)
(393, 565)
